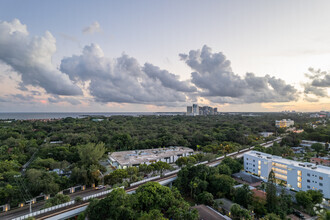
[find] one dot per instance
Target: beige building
(284, 123)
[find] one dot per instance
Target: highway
(36, 207)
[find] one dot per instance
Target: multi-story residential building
(189, 110)
(199, 110)
(284, 123)
(124, 159)
(195, 109)
(293, 174)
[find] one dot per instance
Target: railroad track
(169, 175)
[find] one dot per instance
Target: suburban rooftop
(305, 165)
(141, 156)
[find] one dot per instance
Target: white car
(99, 187)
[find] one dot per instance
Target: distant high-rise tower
(189, 110)
(195, 109)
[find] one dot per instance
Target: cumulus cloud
(167, 79)
(214, 76)
(123, 79)
(57, 99)
(31, 58)
(319, 82)
(93, 28)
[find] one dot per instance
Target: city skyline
(108, 56)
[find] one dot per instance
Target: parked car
(298, 214)
(100, 187)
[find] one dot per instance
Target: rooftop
(305, 165)
(141, 156)
(208, 213)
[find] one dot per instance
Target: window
(299, 172)
(247, 163)
(299, 185)
(321, 184)
(320, 177)
(308, 181)
(254, 165)
(299, 178)
(259, 162)
(247, 158)
(321, 190)
(308, 187)
(308, 174)
(254, 161)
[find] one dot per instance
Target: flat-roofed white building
(295, 175)
(124, 159)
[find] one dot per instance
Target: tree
(197, 186)
(243, 195)
(91, 153)
(224, 169)
(271, 192)
(220, 185)
(239, 213)
(316, 196)
(304, 199)
(78, 199)
(317, 147)
(117, 205)
(284, 204)
(58, 199)
(116, 176)
(161, 166)
(271, 216)
(154, 214)
(205, 198)
(233, 164)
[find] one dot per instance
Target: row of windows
(320, 177)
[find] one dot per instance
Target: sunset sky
(110, 56)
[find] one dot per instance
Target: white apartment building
(284, 123)
(295, 175)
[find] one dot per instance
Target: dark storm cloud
(214, 76)
(123, 79)
(31, 59)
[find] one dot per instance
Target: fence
(86, 198)
(145, 180)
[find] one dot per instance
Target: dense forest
(57, 149)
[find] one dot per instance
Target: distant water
(58, 115)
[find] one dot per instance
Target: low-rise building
(306, 143)
(298, 150)
(321, 160)
(293, 174)
(284, 123)
(266, 134)
(124, 159)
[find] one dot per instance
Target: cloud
(31, 58)
(93, 28)
(123, 79)
(319, 82)
(57, 99)
(214, 76)
(167, 79)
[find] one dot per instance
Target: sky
(136, 56)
